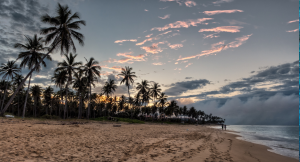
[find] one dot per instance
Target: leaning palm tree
(8, 70)
(60, 35)
(59, 79)
(128, 77)
(92, 71)
(32, 56)
(36, 92)
(69, 65)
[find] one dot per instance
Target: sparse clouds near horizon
(210, 13)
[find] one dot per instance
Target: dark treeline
(75, 81)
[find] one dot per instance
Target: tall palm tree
(59, 79)
(128, 77)
(162, 100)
(80, 83)
(109, 87)
(60, 34)
(8, 70)
(32, 56)
(92, 71)
(69, 65)
(155, 91)
(36, 93)
(48, 98)
(17, 81)
(143, 86)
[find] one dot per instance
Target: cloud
(210, 36)
(146, 10)
(117, 68)
(175, 46)
(234, 44)
(165, 17)
(185, 101)
(188, 65)
(222, 1)
(293, 21)
(148, 35)
(190, 3)
(235, 22)
(129, 57)
(164, 8)
(295, 30)
(154, 48)
(180, 87)
(188, 77)
(230, 29)
(182, 24)
(158, 63)
(210, 13)
(124, 40)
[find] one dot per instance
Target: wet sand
(38, 141)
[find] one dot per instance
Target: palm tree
(109, 87)
(59, 79)
(80, 83)
(17, 81)
(32, 56)
(69, 65)
(47, 98)
(61, 33)
(8, 70)
(128, 77)
(155, 91)
(162, 100)
(143, 86)
(172, 107)
(92, 71)
(36, 93)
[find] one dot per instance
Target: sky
(236, 59)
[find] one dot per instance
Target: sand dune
(34, 140)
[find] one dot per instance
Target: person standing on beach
(222, 126)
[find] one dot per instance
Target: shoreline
(100, 141)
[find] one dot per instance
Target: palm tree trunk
(88, 116)
(61, 100)
(79, 107)
(35, 104)
(29, 74)
(18, 104)
(23, 115)
(66, 100)
(4, 95)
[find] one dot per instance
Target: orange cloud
(148, 35)
(175, 46)
(185, 101)
(154, 48)
(209, 13)
(182, 24)
(158, 63)
(124, 40)
(118, 68)
(165, 17)
(234, 44)
(230, 29)
(293, 21)
(292, 30)
(188, 65)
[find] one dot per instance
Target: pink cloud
(234, 44)
(210, 36)
(148, 35)
(182, 24)
(158, 63)
(153, 38)
(154, 49)
(176, 62)
(190, 3)
(128, 58)
(185, 101)
(117, 68)
(124, 40)
(165, 17)
(293, 21)
(188, 65)
(230, 29)
(146, 10)
(175, 46)
(292, 30)
(209, 13)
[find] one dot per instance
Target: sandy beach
(38, 141)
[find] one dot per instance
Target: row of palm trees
(74, 79)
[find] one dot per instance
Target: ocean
(283, 140)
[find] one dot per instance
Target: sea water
(283, 140)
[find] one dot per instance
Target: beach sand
(38, 141)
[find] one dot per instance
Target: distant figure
(225, 127)
(222, 126)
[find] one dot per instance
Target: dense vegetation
(75, 81)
